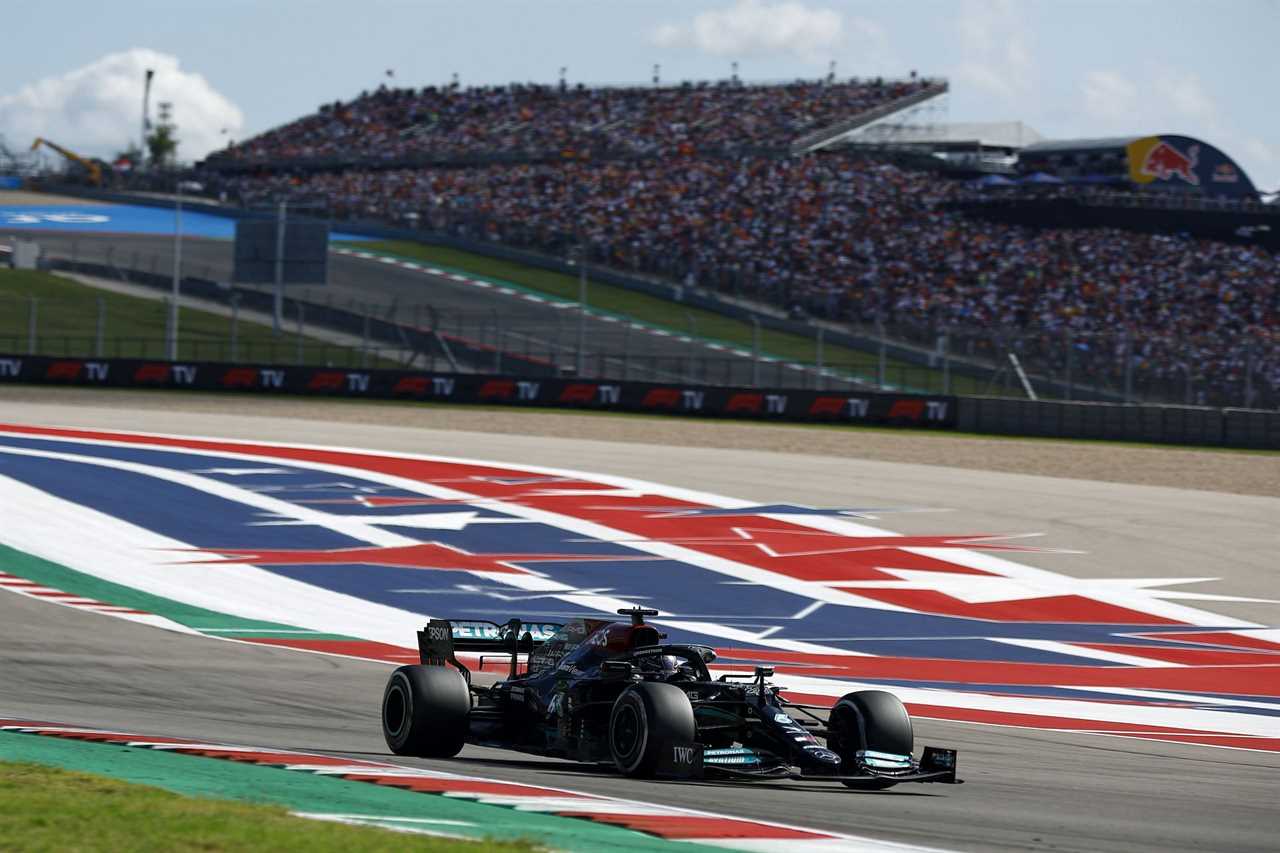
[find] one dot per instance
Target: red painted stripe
(266, 757)
(478, 787)
(1192, 657)
(1222, 638)
(350, 648)
(1267, 744)
(1242, 681)
(104, 737)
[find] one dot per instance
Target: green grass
(67, 322)
(673, 315)
(54, 810)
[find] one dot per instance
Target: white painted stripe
(1194, 698)
(422, 826)
(1082, 652)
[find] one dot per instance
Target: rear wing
(442, 638)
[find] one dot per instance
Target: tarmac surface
(1026, 790)
(511, 322)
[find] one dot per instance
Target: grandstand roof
(1077, 144)
(987, 134)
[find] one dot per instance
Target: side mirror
(708, 654)
(763, 672)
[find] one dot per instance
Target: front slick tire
(869, 719)
(425, 711)
(647, 718)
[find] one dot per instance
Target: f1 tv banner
(670, 398)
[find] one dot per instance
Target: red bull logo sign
(1225, 173)
(1154, 159)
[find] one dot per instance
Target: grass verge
(50, 809)
(67, 316)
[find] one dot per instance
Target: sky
(73, 70)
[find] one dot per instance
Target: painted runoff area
(348, 552)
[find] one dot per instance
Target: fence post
(946, 361)
(1128, 366)
(1248, 374)
(755, 352)
(100, 340)
(497, 342)
(297, 304)
(31, 326)
(821, 357)
(626, 350)
(364, 342)
(881, 356)
(235, 326)
(1066, 335)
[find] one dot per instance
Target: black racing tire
(869, 719)
(647, 718)
(425, 711)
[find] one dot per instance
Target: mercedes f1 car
(613, 692)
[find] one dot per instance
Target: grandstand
(395, 126)
(701, 184)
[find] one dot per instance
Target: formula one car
(614, 692)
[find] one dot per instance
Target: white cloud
(1108, 96)
(995, 48)
(751, 27)
(1170, 101)
(1173, 101)
(97, 109)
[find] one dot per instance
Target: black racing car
(614, 692)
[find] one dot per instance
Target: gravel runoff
(1233, 472)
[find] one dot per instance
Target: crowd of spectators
(691, 183)
(863, 242)
(569, 120)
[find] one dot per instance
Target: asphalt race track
(1026, 789)
(462, 309)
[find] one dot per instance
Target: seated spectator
(856, 241)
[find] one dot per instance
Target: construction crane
(91, 167)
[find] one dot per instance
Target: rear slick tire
(869, 720)
(647, 718)
(425, 711)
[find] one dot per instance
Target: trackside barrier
(1244, 428)
(751, 403)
